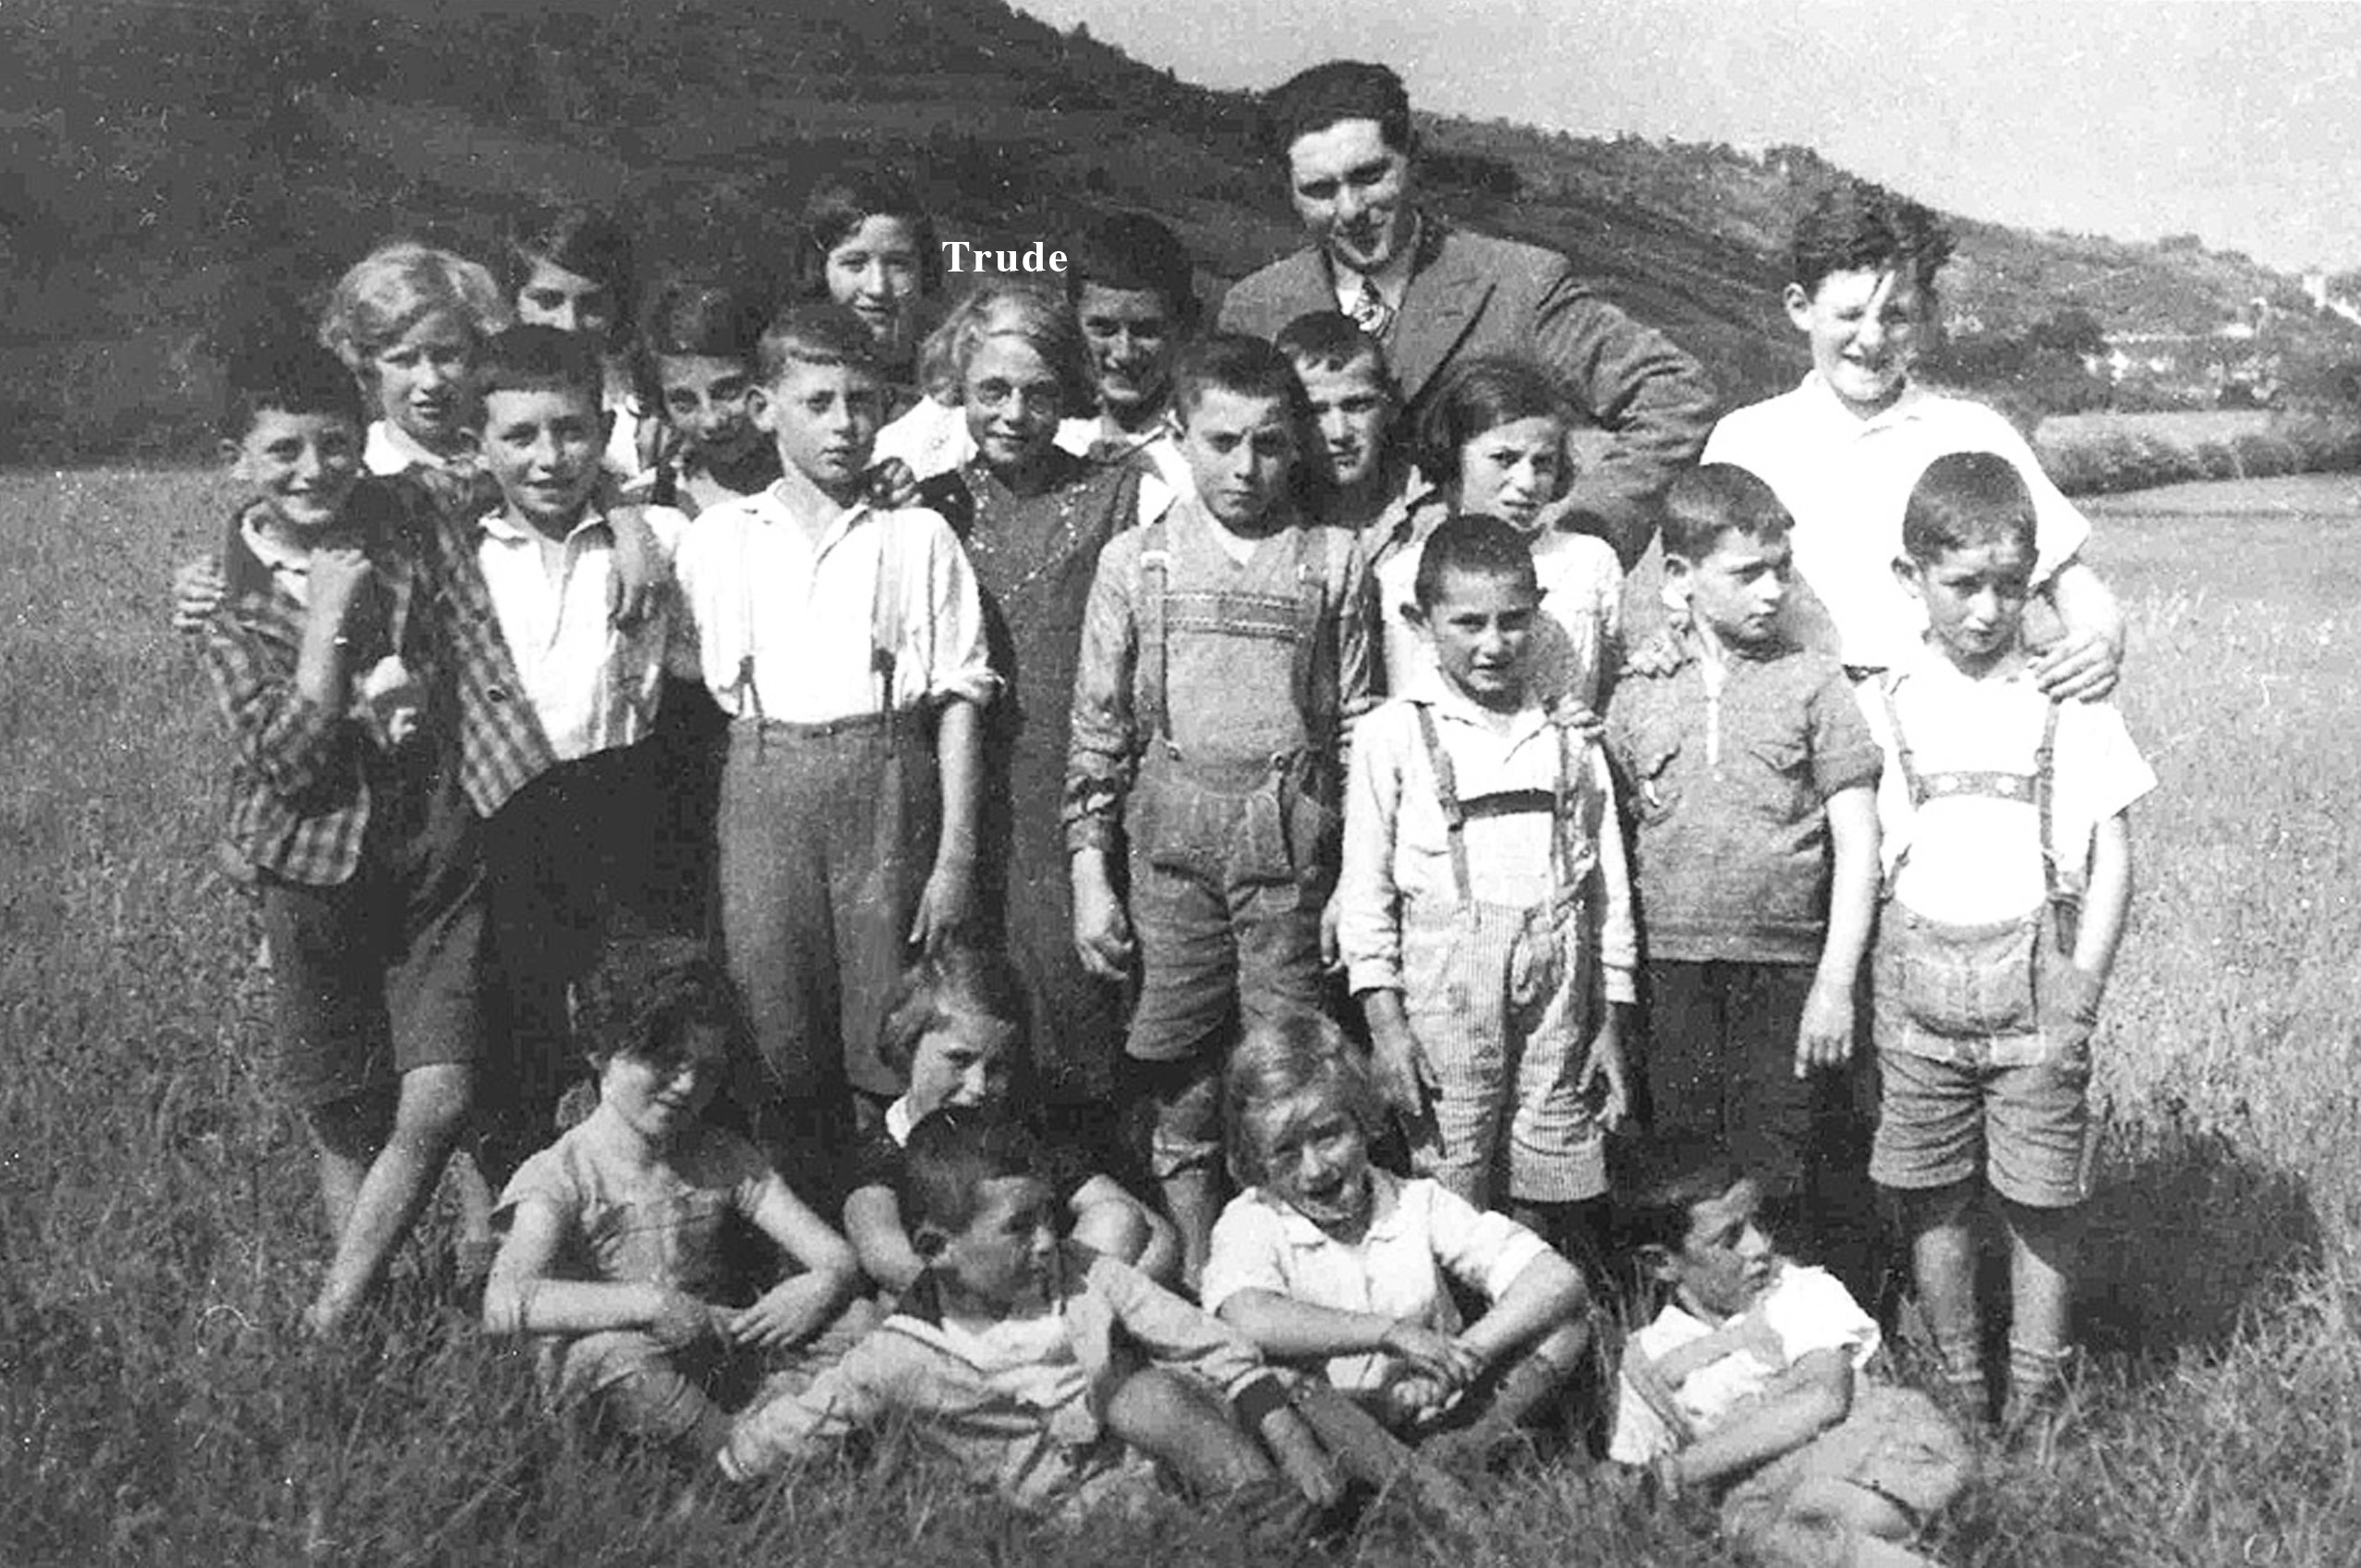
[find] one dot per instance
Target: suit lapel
(1446, 294)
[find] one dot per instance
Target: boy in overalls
(2005, 820)
(1486, 907)
(1225, 647)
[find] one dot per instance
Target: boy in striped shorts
(1485, 909)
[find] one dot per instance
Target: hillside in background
(168, 166)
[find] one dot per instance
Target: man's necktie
(1370, 312)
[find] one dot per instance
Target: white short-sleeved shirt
(1808, 1308)
(592, 685)
(1970, 858)
(1846, 479)
(801, 613)
(1582, 588)
(1417, 1232)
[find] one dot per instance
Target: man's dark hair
(1239, 363)
(1965, 499)
(1715, 499)
(1340, 89)
(1475, 544)
(1849, 226)
(951, 1153)
(289, 372)
(1133, 250)
(540, 359)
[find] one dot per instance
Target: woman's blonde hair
(1298, 1053)
(1000, 308)
(396, 286)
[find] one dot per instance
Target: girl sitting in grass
(614, 1251)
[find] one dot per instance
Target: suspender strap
(1917, 786)
(2044, 786)
(1313, 667)
(1447, 792)
(1154, 717)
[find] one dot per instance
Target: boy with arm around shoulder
(1486, 913)
(1225, 650)
(2007, 860)
(1751, 779)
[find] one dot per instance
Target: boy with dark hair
(1017, 1356)
(1751, 779)
(1484, 910)
(347, 804)
(1367, 482)
(1843, 449)
(1432, 296)
(2005, 816)
(845, 641)
(1752, 1383)
(1226, 649)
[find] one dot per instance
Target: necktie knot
(1370, 312)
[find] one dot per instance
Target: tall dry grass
(157, 1230)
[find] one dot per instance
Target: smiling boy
(1843, 449)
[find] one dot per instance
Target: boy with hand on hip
(2007, 829)
(1751, 778)
(845, 641)
(1485, 909)
(347, 804)
(1226, 648)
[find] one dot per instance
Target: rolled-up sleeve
(948, 603)
(1104, 738)
(840, 1401)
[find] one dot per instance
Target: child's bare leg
(346, 1136)
(1370, 1455)
(655, 1400)
(1526, 1391)
(475, 1245)
(2041, 1259)
(1940, 1225)
(429, 1113)
(1183, 1425)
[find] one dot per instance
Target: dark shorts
(1721, 1066)
(386, 973)
(2027, 1128)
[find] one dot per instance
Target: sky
(2239, 120)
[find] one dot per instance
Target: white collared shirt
(389, 448)
(592, 685)
(1845, 480)
(291, 569)
(799, 616)
(1419, 1231)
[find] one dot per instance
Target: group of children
(604, 694)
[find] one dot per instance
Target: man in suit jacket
(1435, 296)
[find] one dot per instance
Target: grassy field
(156, 1221)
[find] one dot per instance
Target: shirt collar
(899, 1121)
(1384, 1214)
(1392, 279)
(500, 526)
(279, 560)
(1428, 688)
(390, 449)
(776, 509)
(1827, 406)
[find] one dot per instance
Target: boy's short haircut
(1299, 1051)
(1004, 308)
(644, 992)
(950, 1154)
(289, 374)
(1314, 99)
(1714, 498)
(1966, 499)
(1849, 226)
(1655, 1201)
(694, 317)
(1478, 545)
(539, 359)
(1332, 340)
(1132, 250)
(396, 286)
(827, 335)
(940, 990)
(1481, 393)
(1242, 364)
(834, 210)
(583, 239)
